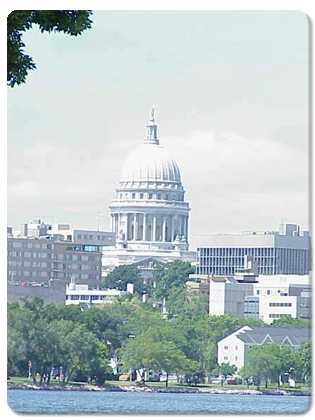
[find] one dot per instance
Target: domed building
(149, 212)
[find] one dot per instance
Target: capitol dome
(150, 162)
(149, 209)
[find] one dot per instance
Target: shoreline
(146, 389)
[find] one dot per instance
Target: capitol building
(149, 213)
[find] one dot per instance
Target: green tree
(71, 22)
(303, 362)
(266, 362)
(170, 275)
(121, 276)
(288, 321)
(144, 352)
(226, 369)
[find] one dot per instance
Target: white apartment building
(77, 294)
(234, 348)
(276, 306)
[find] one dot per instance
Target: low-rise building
(286, 251)
(277, 306)
(234, 348)
(77, 294)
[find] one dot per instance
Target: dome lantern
(152, 129)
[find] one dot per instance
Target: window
(225, 358)
(158, 196)
(268, 292)
(226, 347)
(141, 195)
(133, 195)
(75, 297)
(17, 244)
(79, 236)
(150, 196)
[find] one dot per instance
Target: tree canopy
(70, 22)
(121, 276)
(170, 275)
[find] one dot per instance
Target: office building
(41, 263)
(286, 251)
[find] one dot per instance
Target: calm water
(55, 402)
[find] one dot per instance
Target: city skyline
(235, 119)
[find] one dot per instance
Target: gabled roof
(279, 335)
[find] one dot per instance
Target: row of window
(149, 185)
(227, 347)
(151, 196)
(226, 358)
(29, 244)
(27, 264)
(278, 304)
(222, 252)
(86, 297)
(26, 273)
(28, 254)
(92, 237)
(278, 315)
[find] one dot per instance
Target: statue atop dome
(152, 129)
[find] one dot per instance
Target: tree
(288, 321)
(170, 275)
(303, 362)
(121, 276)
(226, 369)
(71, 22)
(144, 352)
(268, 362)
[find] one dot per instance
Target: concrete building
(149, 213)
(77, 294)
(286, 251)
(41, 262)
(223, 294)
(234, 348)
(93, 237)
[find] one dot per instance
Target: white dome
(150, 162)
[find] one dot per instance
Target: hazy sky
(231, 92)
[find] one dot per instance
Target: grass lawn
(18, 380)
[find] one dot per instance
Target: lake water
(62, 402)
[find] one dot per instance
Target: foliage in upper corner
(71, 22)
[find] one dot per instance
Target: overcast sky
(231, 93)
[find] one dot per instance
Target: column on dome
(172, 228)
(186, 227)
(154, 228)
(144, 227)
(168, 227)
(164, 229)
(135, 226)
(139, 234)
(130, 224)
